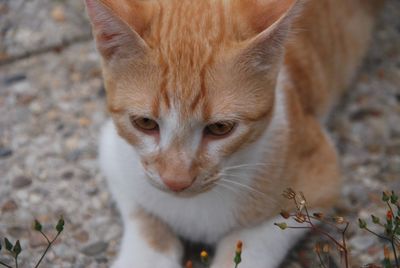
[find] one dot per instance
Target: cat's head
(190, 84)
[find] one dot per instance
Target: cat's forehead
(186, 38)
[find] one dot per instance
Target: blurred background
(52, 108)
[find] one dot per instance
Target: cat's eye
(144, 123)
(220, 129)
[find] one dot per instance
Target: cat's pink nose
(177, 185)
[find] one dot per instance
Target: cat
(217, 106)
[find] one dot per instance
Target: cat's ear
(271, 21)
(117, 26)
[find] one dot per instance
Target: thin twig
(378, 235)
(47, 248)
(320, 259)
(395, 253)
(6, 265)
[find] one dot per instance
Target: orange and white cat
(217, 106)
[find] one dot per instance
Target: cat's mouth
(197, 188)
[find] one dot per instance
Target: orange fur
(217, 59)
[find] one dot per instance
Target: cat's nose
(177, 185)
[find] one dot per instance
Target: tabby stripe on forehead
(215, 45)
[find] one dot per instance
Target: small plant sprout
(238, 253)
(308, 221)
(15, 249)
(391, 228)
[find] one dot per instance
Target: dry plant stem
(49, 244)
(6, 265)
(395, 253)
(16, 261)
(341, 246)
(392, 238)
(320, 260)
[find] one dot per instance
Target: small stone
(84, 122)
(21, 182)
(67, 175)
(82, 236)
(58, 14)
(35, 199)
(9, 206)
(362, 114)
(14, 79)
(17, 232)
(5, 152)
(95, 248)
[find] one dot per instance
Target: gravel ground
(52, 107)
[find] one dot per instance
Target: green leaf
(385, 197)
(362, 224)
(37, 225)
(375, 219)
(8, 244)
(394, 198)
(60, 225)
(17, 248)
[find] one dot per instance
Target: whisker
(244, 186)
(253, 166)
(227, 187)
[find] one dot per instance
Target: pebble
(14, 79)
(58, 13)
(17, 232)
(95, 248)
(82, 236)
(5, 152)
(21, 182)
(9, 206)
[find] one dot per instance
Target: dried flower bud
(281, 225)
(17, 248)
(393, 198)
(300, 218)
(326, 248)
(317, 247)
(60, 224)
(7, 244)
(318, 215)
(362, 224)
(375, 219)
(339, 220)
(37, 226)
(289, 193)
(385, 196)
(285, 214)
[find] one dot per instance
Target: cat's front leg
(264, 246)
(148, 243)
